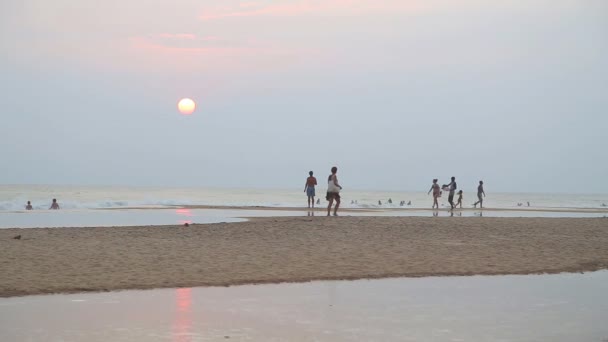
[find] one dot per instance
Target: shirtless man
(333, 191)
(479, 193)
(452, 187)
(309, 189)
(55, 205)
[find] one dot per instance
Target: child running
(459, 199)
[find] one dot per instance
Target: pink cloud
(154, 53)
(187, 43)
(293, 8)
(182, 38)
(188, 36)
(213, 47)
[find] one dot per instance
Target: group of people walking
(451, 187)
(334, 187)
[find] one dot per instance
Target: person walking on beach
(480, 192)
(459, 199)
(309, 189)
(333, 191)
(436, 192)
(55, 205)
(29, 206)
(452, 187)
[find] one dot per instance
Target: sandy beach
(294, 249)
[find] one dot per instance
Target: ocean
(91, 206)
(15, 197)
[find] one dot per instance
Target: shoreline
(370, 210)
(294, 249)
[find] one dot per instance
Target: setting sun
(186, 106)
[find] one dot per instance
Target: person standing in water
(333, 191)
(55, 205)
(480, 192)
(436, 192)
(309, 189)
(29, 206)
(452, 187)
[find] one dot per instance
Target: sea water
(15, 197)
(88, 206)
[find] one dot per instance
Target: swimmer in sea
(54, 205)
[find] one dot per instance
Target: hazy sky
(393, 92)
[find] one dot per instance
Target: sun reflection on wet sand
(182, 324)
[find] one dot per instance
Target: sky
(392, 92)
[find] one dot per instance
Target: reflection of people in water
(55, 205)
(435, 213)
(29, 206)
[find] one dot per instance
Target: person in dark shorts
(480, 192)
(333, 191)
(452, 187)
(309, 189)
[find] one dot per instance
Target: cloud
(191, 52)
(188, 36)
(292, 8)
(191, 43)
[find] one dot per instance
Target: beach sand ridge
(294, 249)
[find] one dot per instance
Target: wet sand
(294, 249)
